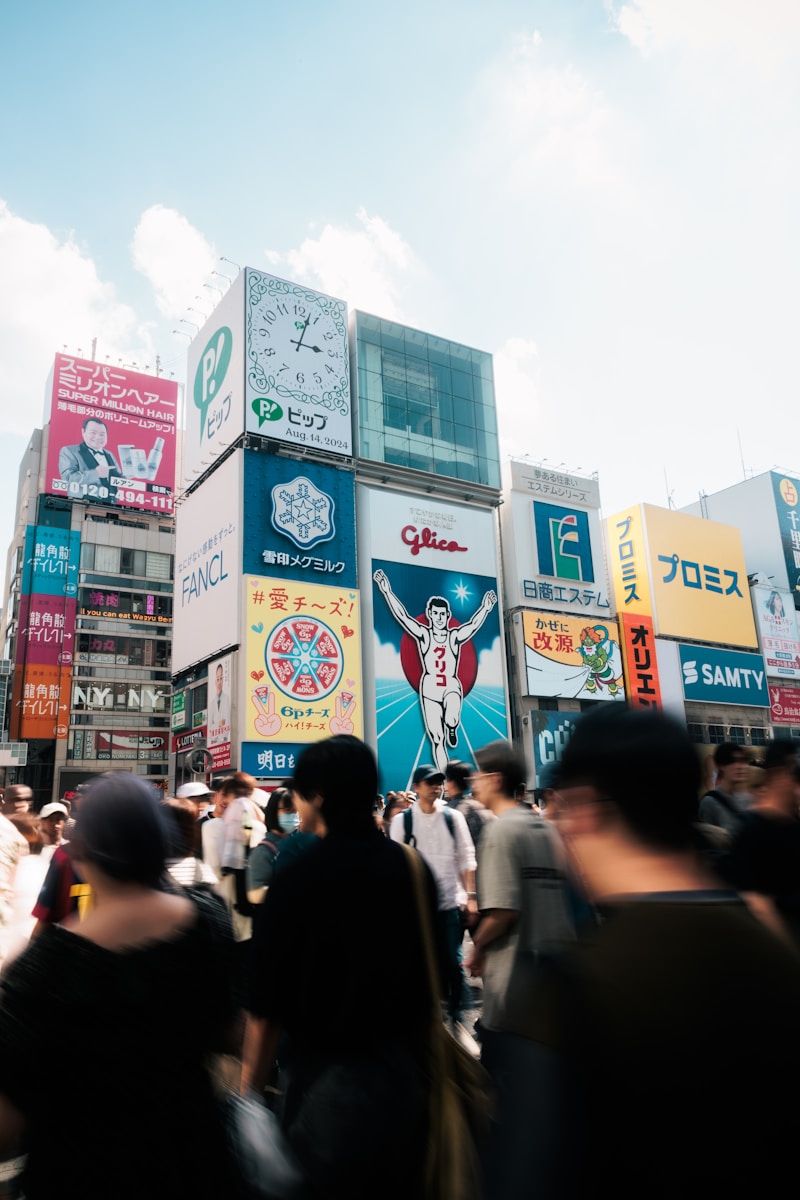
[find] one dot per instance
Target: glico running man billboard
(436, 652)
(112, 436)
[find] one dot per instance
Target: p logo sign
(211, 372)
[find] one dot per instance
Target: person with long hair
(142, 983)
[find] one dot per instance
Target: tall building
(342, 476)
(88, 616)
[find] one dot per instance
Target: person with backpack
(442, 837)
(728, 802)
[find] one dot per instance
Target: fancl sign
(723, 676)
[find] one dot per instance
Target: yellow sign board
(628, 562)
(303, 661)
(698, 578)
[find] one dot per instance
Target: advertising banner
(571, 657)
(699, 579)
(776, 620)
(208, 550)
(553, 550)
(270, 761)
(786, 491)
(784, 705)
(178, 719)
(150, 608)
(723, 676)
(45, 645)
(219, 711)
(298, 365)
(303, 662)
(639, 658)
(215, 384)
(186, 741)
(628, 556)
(130, 744)
(112, 435)
(44, 707)
(299, 520)
(551, 731)
(436, 653)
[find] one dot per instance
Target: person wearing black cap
(442, 837)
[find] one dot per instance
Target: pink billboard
(112, 435)
(47, 624)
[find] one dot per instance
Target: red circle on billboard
(467, 669)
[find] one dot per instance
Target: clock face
(298, 375)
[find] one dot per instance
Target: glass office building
(424, 402)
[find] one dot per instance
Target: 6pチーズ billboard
(112, 435)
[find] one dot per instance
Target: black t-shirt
(676, 1022)
(337, 956)
(765, 858)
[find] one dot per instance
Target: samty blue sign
(724, 676)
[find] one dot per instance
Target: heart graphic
(257, 675)
(352, 595)
(350, 682)
(347, 632)
(253, 583)
(259, 628)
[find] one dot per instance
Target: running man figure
(439, 647)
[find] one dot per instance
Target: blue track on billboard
(299, 521)
(438, 666)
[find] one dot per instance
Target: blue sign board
(724, 676)
(276, 761)
(551, 731)
(299, 520)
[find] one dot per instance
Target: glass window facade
(424, 402)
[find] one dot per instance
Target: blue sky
(602, 194)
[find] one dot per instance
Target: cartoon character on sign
(595, 650)
(439, 640)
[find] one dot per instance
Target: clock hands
(297, 345)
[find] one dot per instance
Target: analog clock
(296, 345)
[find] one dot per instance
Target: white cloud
(764, 33)
(174, 257)
(51, 297)
(546, 125)
(370, 266)
(490, 665)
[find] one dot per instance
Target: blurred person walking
(677, 1001)
(525, 915)
(764, 860)
(726, 805)
(457, 781)
(128, 981)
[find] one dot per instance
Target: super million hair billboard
(112, 435)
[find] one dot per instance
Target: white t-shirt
(447, 854)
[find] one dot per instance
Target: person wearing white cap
(54, 819)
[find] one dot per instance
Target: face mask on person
(288, 821)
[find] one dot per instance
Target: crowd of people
(636, 945)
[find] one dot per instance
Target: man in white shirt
(219, 711)
(442, 838)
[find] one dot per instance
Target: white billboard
(215, 384)
(776, 621)
(552, 542)
(298, 365)
(428, 572)
(208, 556)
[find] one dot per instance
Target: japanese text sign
(112, 436)
(572, 657)
(303, 661)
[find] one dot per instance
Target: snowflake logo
(302, 512)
